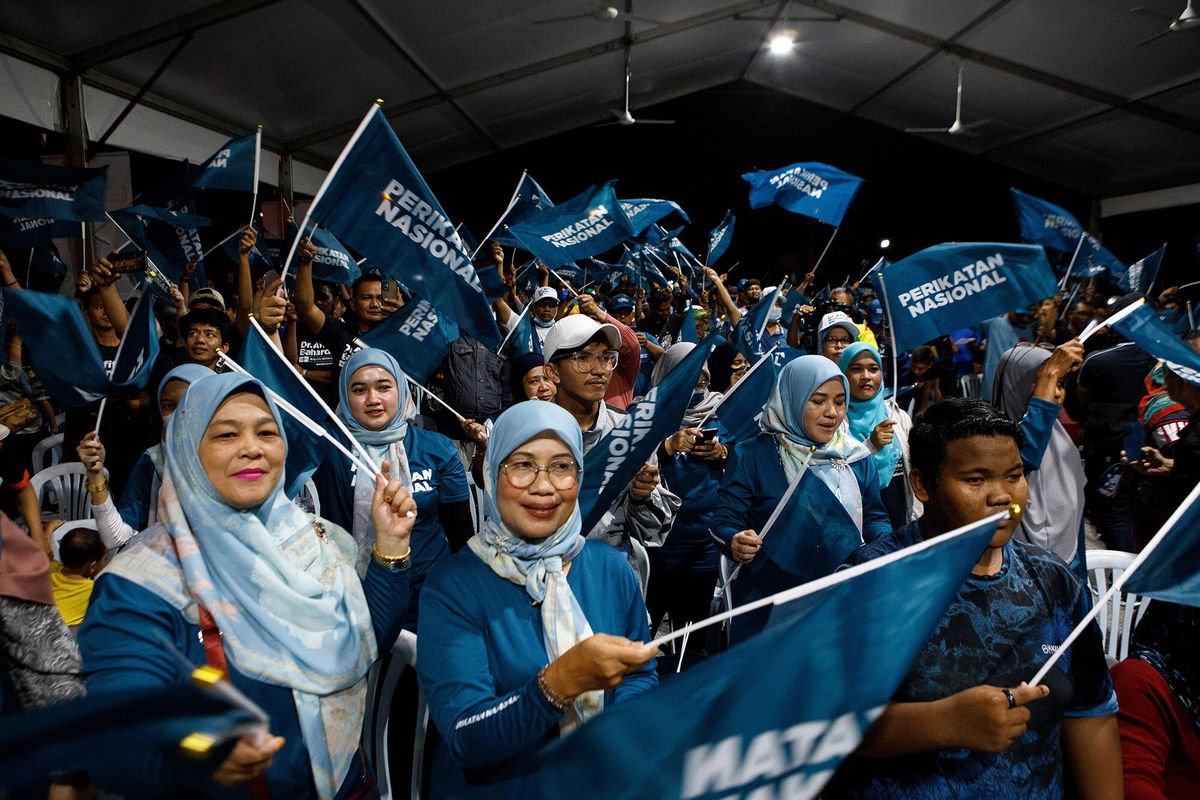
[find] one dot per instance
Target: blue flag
(528, 199)
(306, 450)
(1045, 223)
(232, 167)
(746, 335)
(1171, 570)
(1140, 325)
(830, 660)
(376, 201)
(1094, 259)
(22, 232)
(610, 274)
(1141, 274)
(43, 191)
(332, 262)
(810, 188)
(263, 256)
(644, 213)
(743, 403)
(64, 351)
(951, 286)
(687, 330)
(524, 338)
(583, 226)
(720, 238)
(416, 336)
(168, 245)
(611, 464)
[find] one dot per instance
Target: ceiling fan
(1186, 21)
(623, 116)
(957, 128)
(603, 12)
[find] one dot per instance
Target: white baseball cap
(836, 319)
(575, 331)
(544, 293)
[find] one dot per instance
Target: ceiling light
(782, 43)
(884, 244)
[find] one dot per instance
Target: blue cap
(875, 312)
(620, 301)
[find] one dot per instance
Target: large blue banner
(43, 191)
(416, 336)
(1046, 224)
(611, 464)
(65, 354)
(1143, 327)
(773, 716)
(720, 237)
(950, 286)
(743, 403)
(585, 225)
(527, 199)
(1141, 274)
(231, 167)
(376, 201)
(1171, 570)
(810, 188)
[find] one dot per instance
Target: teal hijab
(864, 415)
(285, 596)
(537, 565)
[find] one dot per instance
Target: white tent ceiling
(1064, 88)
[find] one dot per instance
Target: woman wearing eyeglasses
(531, 629)
(377, 408)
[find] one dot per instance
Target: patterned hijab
(538, 565)
(387, 443)
(863, 415)
(783, 418)
(286, 598)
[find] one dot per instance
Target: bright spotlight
(782, 43)
(884, 244)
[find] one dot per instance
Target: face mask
(775, 313)
(541, 324)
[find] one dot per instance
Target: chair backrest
(1123, 611)
(971, 385)
(308, 493)
(62, 492)
(381, 691)
(52, 446)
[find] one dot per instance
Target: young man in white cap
(835, 333)
(582, 356)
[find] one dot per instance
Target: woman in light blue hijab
(882, 426)
(531, 629)
(237, 575)
(834, 508)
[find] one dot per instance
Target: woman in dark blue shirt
(530, 629)
(834, 509)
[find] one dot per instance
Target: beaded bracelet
(554, 700)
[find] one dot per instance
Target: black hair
(80, 547)
(923, 354)
(364, 278)
(951, 419)
(86, 297)
(720, 366)
(753, 282)
(207, 316)
(660, 296)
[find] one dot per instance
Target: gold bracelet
(390, 562)
(97, 489)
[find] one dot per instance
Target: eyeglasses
(521, 474)
(586, 362)
(842, 342)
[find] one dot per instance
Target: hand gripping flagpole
(1117, 585)
(781, 505)
(820, 584)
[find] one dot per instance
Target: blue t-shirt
(481, 649)
(998, 631)
(690, 547)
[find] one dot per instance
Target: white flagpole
(257, 156)
(117, 359)
(440, 401)
(812, 587)
(325, 185)
(1096, 325)
(1121, 580)
(513, 330)
(887, 307)
(1078, 247)
(301, 417)
(512, 201)
(821, 257)
(223, 241)
(1191, 319)
(313, 393)
(762, 360)
(782, 504)
(563, 282)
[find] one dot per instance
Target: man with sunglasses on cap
(582, 357)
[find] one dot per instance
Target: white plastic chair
(62, 487)
(971, 385)
(1119, 616)
(308, 492)
(52, 445)
(381, 690)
